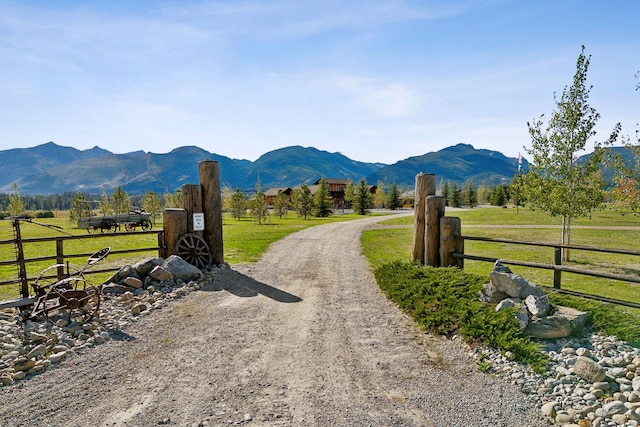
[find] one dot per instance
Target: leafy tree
(303, 201)
(393, 198)
(105, 203)
(173, 200)
(362, 198)
(281, 204)
(556, 182)
(16, 207)
(151, 204)
(349, 190)
(120, 201)
(379, 198)
(238, 205)
(322, 200)
(259, 205)
(470, 196)
(79, 208)
(483, 195)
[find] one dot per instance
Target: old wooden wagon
(113, 223)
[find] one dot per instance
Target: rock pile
(507, 290)
(31, 347)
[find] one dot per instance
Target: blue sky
(376, 80)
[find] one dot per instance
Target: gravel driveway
(302, 338)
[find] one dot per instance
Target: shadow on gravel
(244, 286)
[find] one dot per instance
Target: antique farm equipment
(112, 223)
(73, 296)
(70, 294)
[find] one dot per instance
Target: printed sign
(198, 222)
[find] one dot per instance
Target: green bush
(45, 214)
(445, 301)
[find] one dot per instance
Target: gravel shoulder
(303, 337)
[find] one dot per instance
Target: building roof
(342, 181)
(274, 191)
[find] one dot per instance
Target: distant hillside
(459, 164)
(50, 168)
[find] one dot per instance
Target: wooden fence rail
(61, 257)
(557, 266)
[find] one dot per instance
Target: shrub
(445, 301)
(44, 214)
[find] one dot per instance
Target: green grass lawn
(244, 241)
(382, 245)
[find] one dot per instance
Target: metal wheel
(193, 249)
(49, 276)
(73, 298)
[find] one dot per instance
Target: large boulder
(514, 285)
(181, 269)
(145, 266)
(564, 322)
(538, 306)
(491, 295)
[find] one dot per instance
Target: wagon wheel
(130, 226)
(74, 298)
(47, 277)
(193, 249)
(146, 224)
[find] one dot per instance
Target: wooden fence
(438, 242)
(61, 257)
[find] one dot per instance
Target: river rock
(133, 282)
(613, 408)
(160, 274)
(514, 285)
(145, 266)
(181, 269)
(491, 295)
(589, 370)
(538, 306)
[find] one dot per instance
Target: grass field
(244, 241)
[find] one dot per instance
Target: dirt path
(303, 337)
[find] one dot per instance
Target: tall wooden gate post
(209, 171)
(192, 203)
(434, 211)
(425, 186)
(451, 241)
(174, 222)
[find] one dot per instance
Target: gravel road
(302, 338)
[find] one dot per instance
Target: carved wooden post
(451, 241)
(192, 203)
(209, 171)
(425, 186)
(175, 225)
(434, 210)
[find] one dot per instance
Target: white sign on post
(198, 222)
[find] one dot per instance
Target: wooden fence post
(192, 203)
(209, 171)
(451, 241)
(425, 186)
(557, 274)
(60, 259)
(434, 210)
(175, 225)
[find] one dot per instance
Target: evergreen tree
(393, 198)
(362, 198)
(303, 201)
(322, 200)
(446, 192)
(238, 205)
(454, 196)
(470, 195)
(281, 204)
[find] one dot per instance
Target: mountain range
(50, 168)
